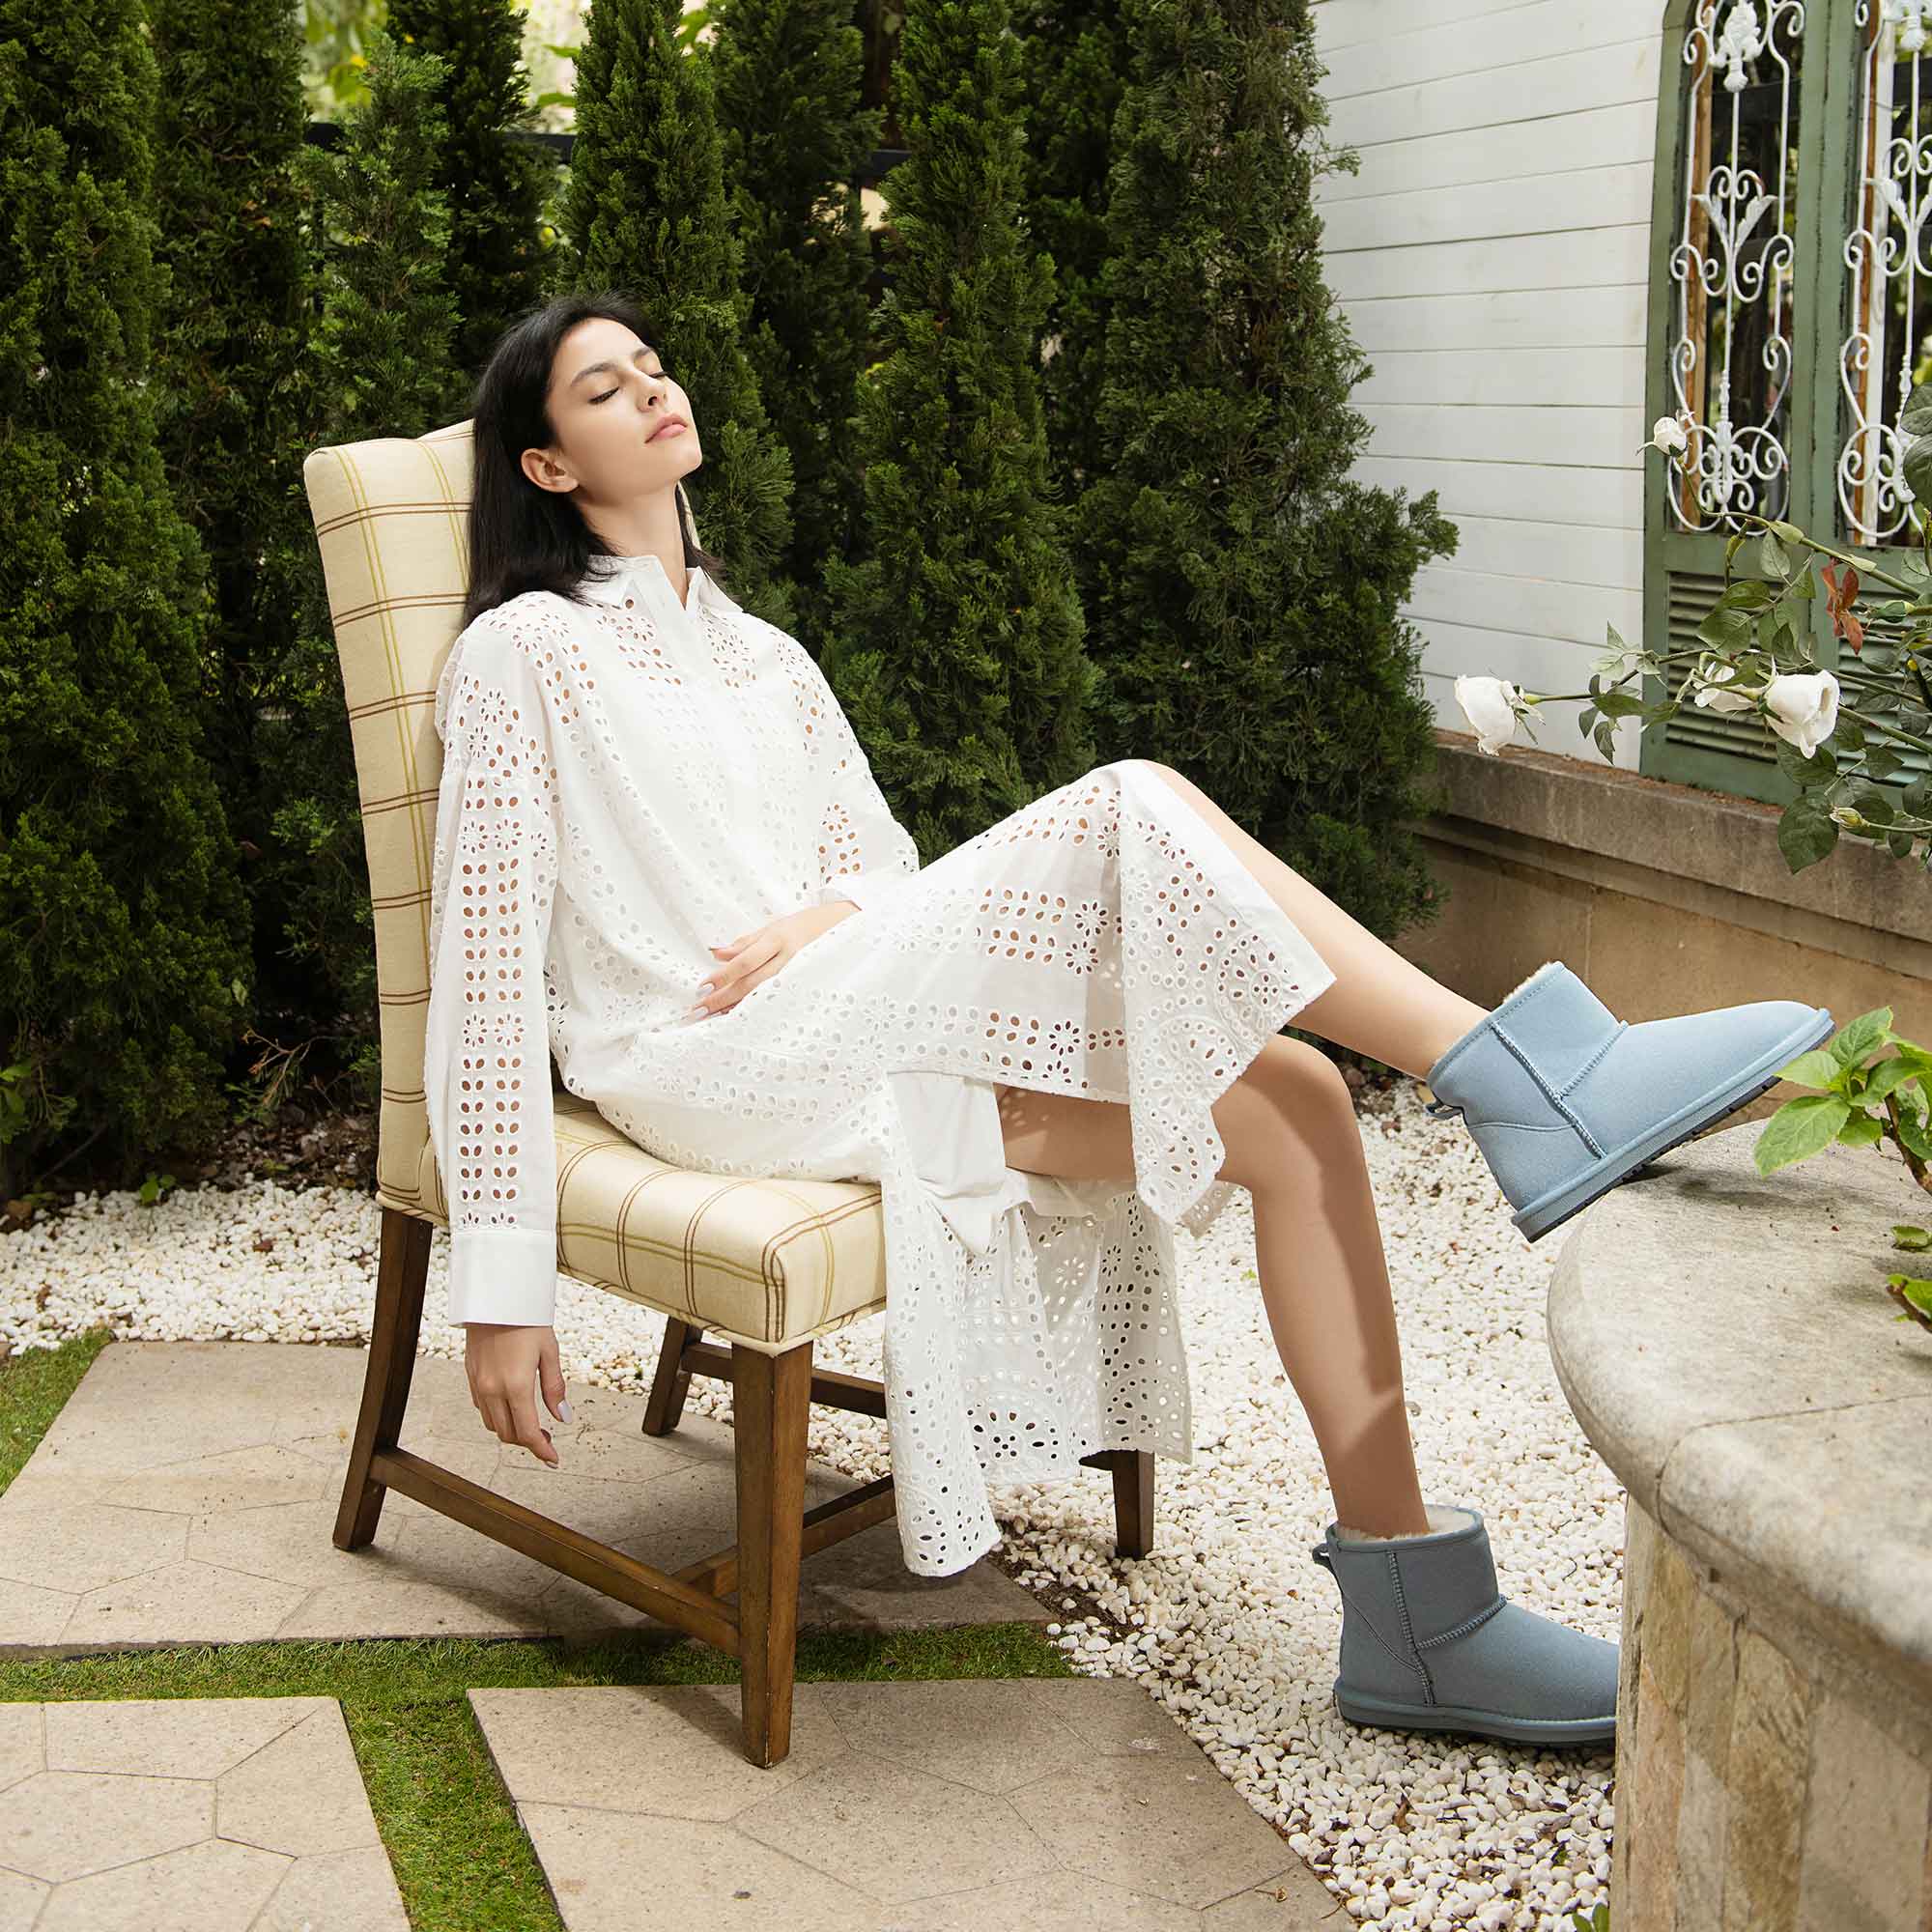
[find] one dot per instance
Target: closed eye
(609, 393)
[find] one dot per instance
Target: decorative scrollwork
(1890, 167)
(1730, 359)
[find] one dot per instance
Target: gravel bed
(1231, 1625)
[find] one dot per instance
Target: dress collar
(606, 578)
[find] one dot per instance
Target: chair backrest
(392, 519)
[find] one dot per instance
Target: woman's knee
(1288, 1110)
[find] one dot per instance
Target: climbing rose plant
(1753, 654)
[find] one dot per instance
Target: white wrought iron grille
(1730, 357)
(1883, 355)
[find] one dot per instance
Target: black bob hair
(522, 538)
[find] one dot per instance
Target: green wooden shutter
(1776, 139)
(1812, 135)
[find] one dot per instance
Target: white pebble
(1227, 1622)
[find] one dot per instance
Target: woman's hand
(505, 1365)
(753, 958)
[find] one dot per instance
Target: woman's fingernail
(692, 1012)
(563, 1409)
(708, 986)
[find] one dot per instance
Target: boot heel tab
(1321, 1554)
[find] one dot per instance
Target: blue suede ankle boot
(1430, 1644)
(1565, 1099)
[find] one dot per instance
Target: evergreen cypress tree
(380, 364)
(383, 349)
(229, 396)
(647, 213)
(963, 627)
(496, 186)
(1245, 588)
(796, 142)
(124, 930)
(1076, 64)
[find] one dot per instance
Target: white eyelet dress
(628, 782)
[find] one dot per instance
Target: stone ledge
(1712, 837)
(1725, 1339)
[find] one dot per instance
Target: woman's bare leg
(1288, 1127)
(1381, 1004)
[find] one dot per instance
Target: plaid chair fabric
(760, 1262)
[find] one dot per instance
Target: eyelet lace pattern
(631, 778)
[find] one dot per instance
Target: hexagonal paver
(65, 1824)
(90, 1545)
(181, 1602)
(191, 1737)
(187, 1493)
(283, 1799)
(189, 1815)
(240, 1479)
(212, 1887)
(21, 1901)
(925, 1807)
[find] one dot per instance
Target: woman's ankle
(1353, 1534)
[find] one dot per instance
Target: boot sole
(1542, 1217)
(1380, 1714)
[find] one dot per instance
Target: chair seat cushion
(752, 1259)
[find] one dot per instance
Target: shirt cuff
(503, 1274)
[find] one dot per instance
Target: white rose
(1667, 434)
(1490, 704)
(1711, 677)
(1804, 708)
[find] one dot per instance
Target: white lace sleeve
(486, 1062)
(862, 849)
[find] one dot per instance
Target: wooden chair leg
(401, 1271)
(1133, 1502)
(668, 1386)
(770, 1405)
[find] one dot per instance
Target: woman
(1047, 1047)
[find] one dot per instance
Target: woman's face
(609, 395)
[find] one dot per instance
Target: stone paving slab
(221, 1814)
(1059, 1804)
(188, 1490)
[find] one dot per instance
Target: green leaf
(1916, 417)
(1805, 832)
(1747, 593)
(1912, 1131)
(1799, 1129)
(1910, 1235)
(1819, 768)
(1917, 1293)
(1771, 557)
(1916, 467)
(1860, 1039)
(1816, 1069)
(1892, 1073)
(1726, 630)
(1849, 735)
(1860, 1130)
(1790, 532)
(1873, 804)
